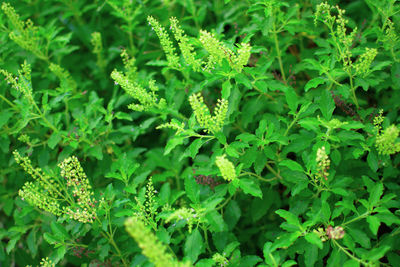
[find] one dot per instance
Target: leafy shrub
(206, 133)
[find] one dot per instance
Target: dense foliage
(206, 133)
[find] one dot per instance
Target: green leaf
(194, 245)
(195, 146)
(292, 165)
(250, 187)
(59, 231)
(372, 160)
(54, 139)
(395, 71)
(310, 256)
(5, 115)
(289, 217)
(249, 261)
(192, 189)
(291, 99)
(226, 89)
(216, 221)
(376, 253)
(314, 239)
(104, 251)
(374, 224)
(313, 83)
(172, 143)
(375, 194)
(326, 104)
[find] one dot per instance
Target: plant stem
(278, 52)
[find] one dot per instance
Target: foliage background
(294, 97)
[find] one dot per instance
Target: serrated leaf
(289, 217)
(314, 239)
(226, 89)
(291, 99)
(172, 143)
(326, 104)
(54, 139)
(292, 165)
(194, 245)
(374, 224)
(372, 160)
(195, 146)
(192, 189)
(59, 231)
(313, 83)
(250, 187)
(375, 194)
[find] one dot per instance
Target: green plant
(199, 133)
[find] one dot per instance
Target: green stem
(353, 91)
(348, 253)
(258, 176)
(7, 101)
(362, 216)
(278, 51)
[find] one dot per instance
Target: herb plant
(200, 133)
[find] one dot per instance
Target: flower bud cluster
(323, 164)
(75, 200)
(25, 34)
(166, 43)
(217, 50)
(364, 61)
(190, 216)
(84, 209)
(129, 64)
(386, 140)
(220, 260)
(36, 196)
(212, 124)
(185, 46)
(146, 99)
(22, 82)
(65, 77)
(226, 168)
(151, 247)
(174, 124)
(98, 49)
(335, 233)
(344, 41)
